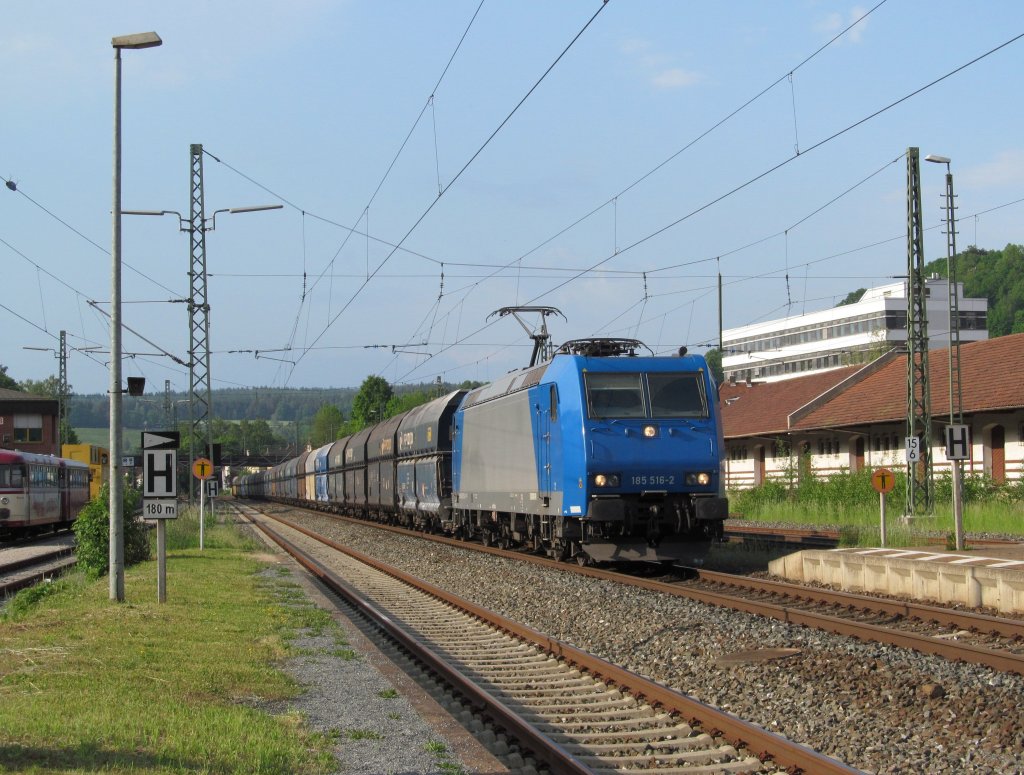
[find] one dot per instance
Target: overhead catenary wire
(764, 174)
(463, 169)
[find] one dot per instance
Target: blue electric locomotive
(597, 454)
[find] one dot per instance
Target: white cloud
(658, 65)
(834, 23)
(675, 78)
(1006, 169)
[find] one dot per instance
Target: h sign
(159, 473)
(958, 444)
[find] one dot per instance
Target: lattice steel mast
(919, 475)
(62, 393)
(199, 403)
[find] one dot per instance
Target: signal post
(202, 469)
(160, 494)
(883, 480)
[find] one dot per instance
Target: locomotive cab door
(547, 411)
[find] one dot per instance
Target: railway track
(816, 538)
(953, 634)
(573, 712)
(33, 567)
(993, 641)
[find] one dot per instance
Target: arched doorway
(998, 457)
(857, 463)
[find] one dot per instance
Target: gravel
(878, 708)
(375, 727)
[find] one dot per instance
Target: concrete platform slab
(945, 577)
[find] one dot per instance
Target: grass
(846, 501)
(440, 752)
(89, 685)
(363, 734)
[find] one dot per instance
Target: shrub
(92, 530)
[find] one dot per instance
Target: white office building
(846, 335)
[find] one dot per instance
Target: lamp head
(937, 159)
(138, 40)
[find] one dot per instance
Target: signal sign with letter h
(958, 442)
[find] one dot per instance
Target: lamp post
(116, 570)
(955, 416)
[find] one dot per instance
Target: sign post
(958, 447)
(160, 494)
(202, 469)
(883, 480)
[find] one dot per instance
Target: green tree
(714, 359)
(852, 297)
(1018, 322)
(257, 436)
(45, 387)
(327, 425)
(92, 532)
(50, 387)
(406, 401)
(6, 382)
(370, 404)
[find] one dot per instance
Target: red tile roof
(764, 407)
(992, 378)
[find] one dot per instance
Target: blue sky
(307, 103)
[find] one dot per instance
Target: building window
(28, 428)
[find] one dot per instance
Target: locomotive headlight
(606, 480)
(702, 479)
(650, 431)
(4, 500)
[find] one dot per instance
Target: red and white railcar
(40, 491)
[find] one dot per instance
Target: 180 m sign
(159, 509)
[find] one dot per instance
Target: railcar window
(615, 396)
(11, 476)
(677, 395)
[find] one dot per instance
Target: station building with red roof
(854, 417)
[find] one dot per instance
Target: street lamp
(116, 570)
(955, 416)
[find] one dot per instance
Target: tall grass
(87, 685)
(219, 531)
(847, 501)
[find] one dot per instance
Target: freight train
(598, 454)
(40, 492)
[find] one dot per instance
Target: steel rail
(808, 536)
(743, 734)
(965, 620)
(560, 761)
(998, 660)
(8, 588)
(36, 559)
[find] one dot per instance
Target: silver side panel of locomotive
(499, 468)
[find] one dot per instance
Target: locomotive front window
(677, 395)
(615, 396)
